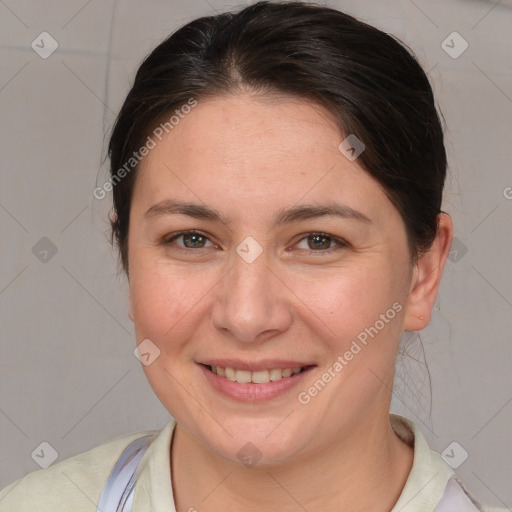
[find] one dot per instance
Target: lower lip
(251, 392)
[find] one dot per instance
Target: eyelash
(167, 241)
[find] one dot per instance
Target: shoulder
(432, 483)
(74, 484)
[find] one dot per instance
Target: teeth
(242, 376)
(259, 377)
(230, 374)
(276, 374)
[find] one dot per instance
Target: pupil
(316, 238)
(194, 238)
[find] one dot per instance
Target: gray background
(68, 374)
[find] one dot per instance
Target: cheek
(358, 315)
(165, 308)
(164, 304)
(347, 300)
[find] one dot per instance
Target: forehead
(242, 151)
(252, 130)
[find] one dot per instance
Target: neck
(365, 469)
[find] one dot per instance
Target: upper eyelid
(170, 238)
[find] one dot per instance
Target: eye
(322, 241)
(193, 239)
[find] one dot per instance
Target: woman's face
(264, 289)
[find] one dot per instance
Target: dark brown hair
(370, 81)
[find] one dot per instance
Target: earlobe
(426, 277)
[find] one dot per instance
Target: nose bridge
(249, 303)
(249, 280)
(249, 266)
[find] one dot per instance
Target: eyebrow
(296, 213)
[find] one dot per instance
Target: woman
(277, 177)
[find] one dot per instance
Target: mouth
(252, 386)
(256, 377)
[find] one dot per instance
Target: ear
(426, 277)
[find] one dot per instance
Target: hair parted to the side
(371, 83)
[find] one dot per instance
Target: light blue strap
(117, 496)
(454, 499)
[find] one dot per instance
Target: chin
(256, 442)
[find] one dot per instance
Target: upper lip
(253, 366)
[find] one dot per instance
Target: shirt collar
(153, 490)
(422, 491)
(429, 473)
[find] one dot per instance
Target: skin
(249, 157)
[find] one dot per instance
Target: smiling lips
(254, 382)
(261, 373)
(259, 377)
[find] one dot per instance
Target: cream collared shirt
(75, 484)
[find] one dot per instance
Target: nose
(253, 301)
